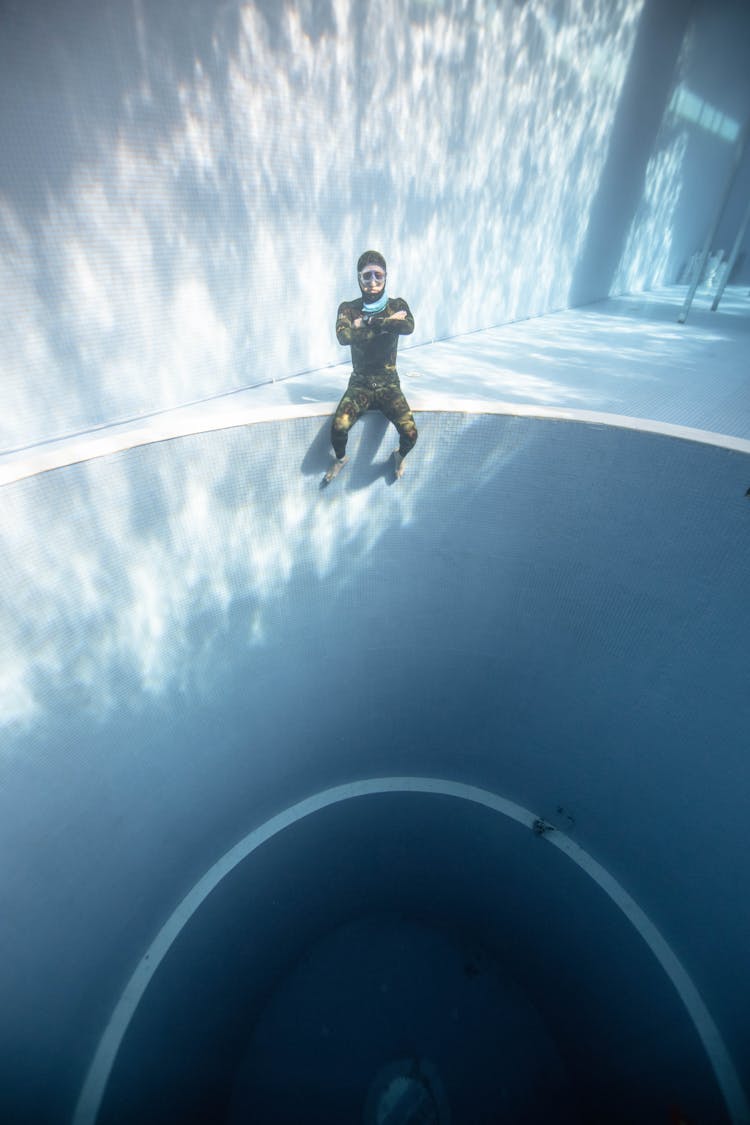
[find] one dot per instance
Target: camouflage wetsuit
(374, 382)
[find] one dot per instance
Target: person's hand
(400, 315)
(357, 322)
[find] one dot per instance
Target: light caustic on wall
(123, 577)
(201, 241)
(210, 219)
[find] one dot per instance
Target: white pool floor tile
(626, 356)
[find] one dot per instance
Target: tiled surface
(626, 357)
(622, 356)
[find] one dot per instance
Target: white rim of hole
(100, 1069)
(120, 437)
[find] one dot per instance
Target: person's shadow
(362, 469)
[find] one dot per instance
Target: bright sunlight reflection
(205, 228)
(648, 260)
(466, 140)
(129, 571)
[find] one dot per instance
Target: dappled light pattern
(126, 571)
(623, 356)
(648, 257)
(647, 260)
(121, 574)
(651, 257)
(216, 194)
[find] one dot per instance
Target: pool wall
(185, 190)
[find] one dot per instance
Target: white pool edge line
(35, 460)
(94, 1086)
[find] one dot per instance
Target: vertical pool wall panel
(199, 636)
(164, 169)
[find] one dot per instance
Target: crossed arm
(357, 329)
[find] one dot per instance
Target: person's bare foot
(398, 464)
(335, 469)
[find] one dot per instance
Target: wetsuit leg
(354, 402)
(392, 402)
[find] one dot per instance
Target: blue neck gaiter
(376, 306)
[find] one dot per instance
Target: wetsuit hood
(377, 301)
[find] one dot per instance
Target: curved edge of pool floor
(60, 453)
(722, 1065)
